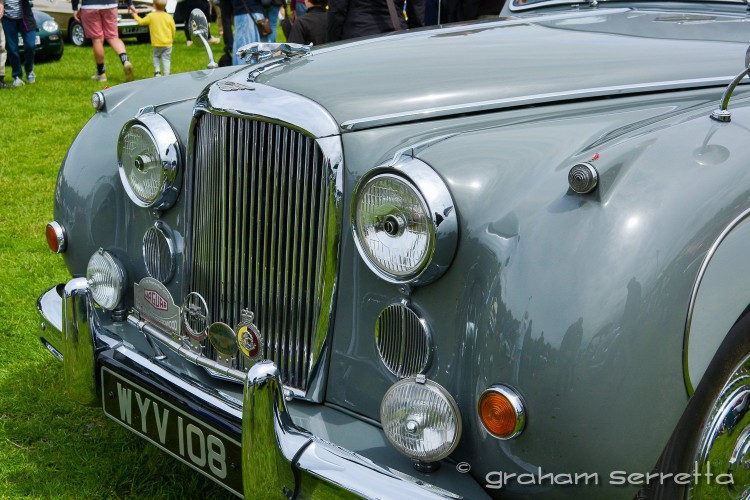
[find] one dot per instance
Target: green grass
(51, 447)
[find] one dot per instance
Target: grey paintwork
(580, 302)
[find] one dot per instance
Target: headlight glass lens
(50, 26)
(106, 278)
(141, 164)
(421, 420)
(393, 226)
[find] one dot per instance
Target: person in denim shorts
(99, 19)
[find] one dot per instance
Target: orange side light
(55, 237)
(497, 414)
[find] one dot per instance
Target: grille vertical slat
(260, 194)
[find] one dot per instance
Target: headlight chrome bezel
(113, 271)
(167, 145)
(440, 209)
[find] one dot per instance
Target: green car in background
(504, 258)
(49, 42)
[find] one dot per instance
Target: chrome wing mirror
(256, 52)
(722, 114)
(199, 28)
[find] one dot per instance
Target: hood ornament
(229, 86)
(257, 52)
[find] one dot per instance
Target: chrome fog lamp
(404, 223)
(148, 157)
(421, 420)
(106, 278)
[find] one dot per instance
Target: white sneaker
(31, 77)
(17, 82)
(129, 74)
(100, 78)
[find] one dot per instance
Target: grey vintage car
(501, 258)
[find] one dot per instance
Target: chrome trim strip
(694, 295)
(510, 102)
(272, 443)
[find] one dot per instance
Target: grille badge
(249, 337)
(195, 316)
(223, 339)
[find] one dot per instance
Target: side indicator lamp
(56, 238)
(502, 412)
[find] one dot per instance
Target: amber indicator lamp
(502, 412)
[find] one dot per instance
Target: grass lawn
(51, 447)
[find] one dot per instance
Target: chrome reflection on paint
(403, 341)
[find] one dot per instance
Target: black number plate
(181, 434)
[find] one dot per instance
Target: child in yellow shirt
(162, 29)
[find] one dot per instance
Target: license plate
(181, 434)
(134, 30)
(37, 41)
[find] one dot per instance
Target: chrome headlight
(106, 278)
(421, 419)
(50, 26)
(404, 223)
(148, 156)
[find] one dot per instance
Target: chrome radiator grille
(259, 237)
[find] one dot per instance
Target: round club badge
(249, 337)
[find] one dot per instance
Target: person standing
(3, 53)
(248, 16)
(99, 19)
(162, 30)
(354, 18)
(311, 27)
(17, 19)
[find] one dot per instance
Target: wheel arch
(720, 297)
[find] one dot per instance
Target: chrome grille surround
(266, 237)
(403, 341)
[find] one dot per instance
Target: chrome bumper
(278, 458)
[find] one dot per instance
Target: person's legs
(245, 32)
(156, 56)
(3, 56)
(29, 48)
(273, 18)
(98, 45)
(109, 27)
(10, 27)
(166, 58)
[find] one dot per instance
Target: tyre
(76, 36)
(143, 38)
(711, 443)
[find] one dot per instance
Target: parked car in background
(72, 30)
(506, 258)
(49, 41)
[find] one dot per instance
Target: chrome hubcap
(722, 462)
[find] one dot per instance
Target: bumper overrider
(277, 457)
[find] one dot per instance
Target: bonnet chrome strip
(510, 102)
